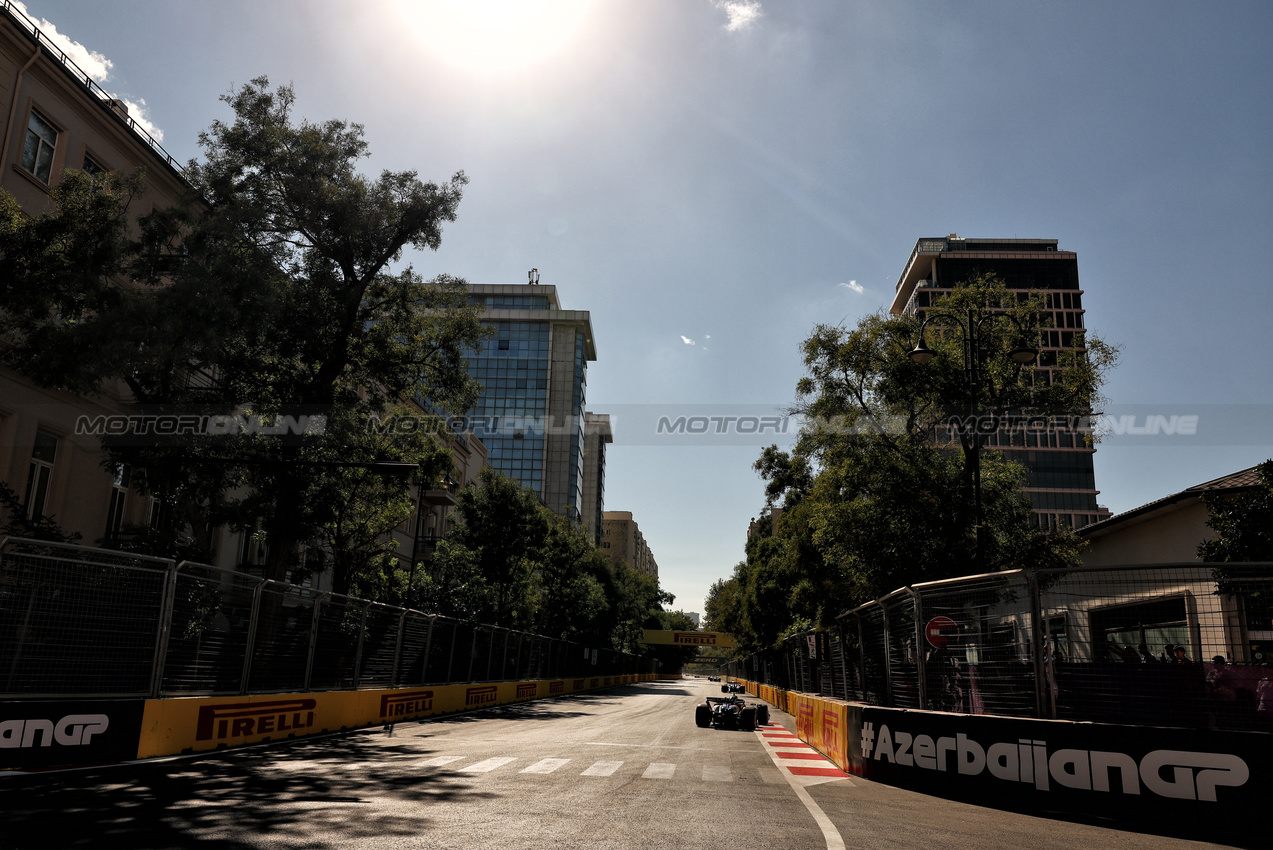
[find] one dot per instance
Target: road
(625, 768)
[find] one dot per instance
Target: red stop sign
(939, 630)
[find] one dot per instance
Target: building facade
(1061, 481)
(623, 541)
(596, 436)
(534, 371)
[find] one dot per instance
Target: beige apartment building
(623, 541)
(55, 119)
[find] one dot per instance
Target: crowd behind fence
(78, 621)
(1180, 645)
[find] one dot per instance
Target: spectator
(1181, 658)
(1145, 655)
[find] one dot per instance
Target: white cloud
(687, 340)
(740, 13)
(94, 64)
(855, 286)
(137, 112)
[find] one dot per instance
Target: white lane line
(487, 766)
(602, 768)
(713, 773)
(659, 770)
(545, 765)
(829, 832)
(437, 761)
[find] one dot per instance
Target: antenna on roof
(533, 274)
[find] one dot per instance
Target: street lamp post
(970, 331)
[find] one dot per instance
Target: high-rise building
(623, 541)
(1061, 483)
(596, 434)
(534, 370)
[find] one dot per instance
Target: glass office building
(1061, 483)
(534, 370)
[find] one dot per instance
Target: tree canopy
(878, 492)
(274, 291)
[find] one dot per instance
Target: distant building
(696, 618)
(596, 434)
(623, 541)
(534, 370)
(1061, 481)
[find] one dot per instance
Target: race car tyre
(762, 715)
(747, 720)
(703, 715)
(724, 689)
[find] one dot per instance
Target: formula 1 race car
(731, 713)
(733, 688)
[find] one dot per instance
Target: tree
(273, 292)
(571, 601)
(878, 491)
(501, 529)
(1243, 522)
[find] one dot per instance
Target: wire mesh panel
(416, 647)
(978, 649)
(874, 656)
(1173, 645)
(379, 647)
(442, 649)
(903, 654)
(336, 643)
(280, 653)
(208, 632)
(75, 624)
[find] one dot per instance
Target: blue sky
(710, 179)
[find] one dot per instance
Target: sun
(495, 36)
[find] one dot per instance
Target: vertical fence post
(1036, 617)
(362, 638)
(164, 630)
(397, 648)
(888, 657)
(250, 648)
(473, 654)
(450, 659)
(861, 657)
(921, 668)
(314, 620)
(428, 646)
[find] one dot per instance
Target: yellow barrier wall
(197, 724)
(820, 722)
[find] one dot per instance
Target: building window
(91, 168)
(39, 473)
(37, 151)
(119, 493)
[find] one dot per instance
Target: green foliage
(273, 291)
(1243, 522)
(17, 524)
(878, 491)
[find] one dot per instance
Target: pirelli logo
(595, 683)
(405, 703)
(526, 690)
(577, 685)
(694, 638)
(558, 687)
(605, 682)
(484, 695)
(221, 721)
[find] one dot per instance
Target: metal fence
(1185, 645)
(78, 621)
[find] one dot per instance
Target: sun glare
(495, 36)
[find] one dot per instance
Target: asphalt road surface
(624, 768)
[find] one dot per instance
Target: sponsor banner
(196, 724)
(689, 638)
(55, 733)
(1075, 766)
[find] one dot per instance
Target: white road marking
(487, 766)
(659, 770)
(545, 765)
(712, 773)
(602, 768)
(829, 832)
(437, 761)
